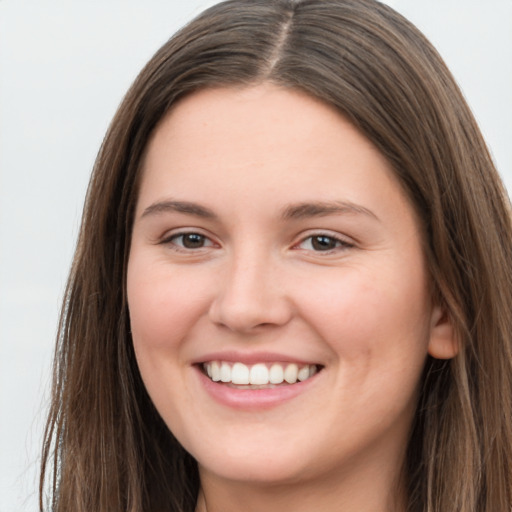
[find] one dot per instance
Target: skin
(256, 283)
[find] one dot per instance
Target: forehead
(244, 130)
(257, 112)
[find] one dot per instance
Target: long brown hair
(106, 448)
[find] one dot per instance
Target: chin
(256, 472)
(275, 464)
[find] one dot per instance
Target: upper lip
(252, 358)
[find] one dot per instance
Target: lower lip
(254, 399)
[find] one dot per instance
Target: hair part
(106, 448)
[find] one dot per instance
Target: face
(278, 298)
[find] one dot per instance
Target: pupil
(323, 243)
(193, 241)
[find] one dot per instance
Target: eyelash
(340, 244)
(171, 240)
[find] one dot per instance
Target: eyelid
(345, 242)
(169, 236)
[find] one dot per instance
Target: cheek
(165, 307)
(377, 329)
(164, 303)
(365, 314)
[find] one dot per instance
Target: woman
(292, 284)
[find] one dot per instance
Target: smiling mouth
(260, 375)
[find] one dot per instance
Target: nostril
(249, 298)
(250, 315)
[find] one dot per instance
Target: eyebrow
(324, 208)
(180, 207)
(294, 211)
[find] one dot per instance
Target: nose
(251, 296)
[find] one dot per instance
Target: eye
(188, 241)
(323, 243)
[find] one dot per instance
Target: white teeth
(259, 374)
(215, 371)
(276, 374)
(225, 372)
(290, 373)
(303, 373)
(240, 374)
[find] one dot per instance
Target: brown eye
(190, 241)
(193, 241)
(324, 243)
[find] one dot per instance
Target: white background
(64, 67)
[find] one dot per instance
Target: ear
(443, 343)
